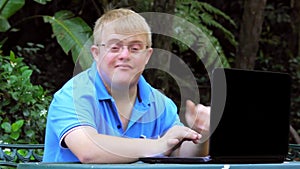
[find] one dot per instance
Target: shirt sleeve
(172, 113)
(70, 109)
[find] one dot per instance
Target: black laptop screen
(255, 116)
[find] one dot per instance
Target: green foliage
(23, 106)
(7, 9)
(203, 16)
(73, 34)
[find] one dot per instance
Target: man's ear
(148, 55)
(95, 52)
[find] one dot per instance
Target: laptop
(250, 113)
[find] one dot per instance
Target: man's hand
(175, 136)
(198, 118)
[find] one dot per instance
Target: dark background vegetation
(272, 44)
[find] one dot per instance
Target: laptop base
(175, 160)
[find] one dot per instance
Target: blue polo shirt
(84, 101)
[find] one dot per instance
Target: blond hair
(122, 21)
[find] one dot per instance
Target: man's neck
(125, 100)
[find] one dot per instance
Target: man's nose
(124, 53)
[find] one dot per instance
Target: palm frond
(207, 45)
(7, 9)
(211, 51)
(10, 7)
(207, 7)
(200, 40)
(208, 20)
(73, 34)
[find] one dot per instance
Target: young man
(110, 114)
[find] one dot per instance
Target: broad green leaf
(24, 68)
(12, 56)
(23, 152)
(4, 24)
(10, 7)
(6, 126)
(73, 34)
(15, 135)
(26, 73)
(13, 79)
(17, 125)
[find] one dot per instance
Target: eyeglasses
(117, 47)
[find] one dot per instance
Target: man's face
(121, 58)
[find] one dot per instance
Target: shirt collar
(144, 91)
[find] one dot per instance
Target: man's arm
(91, 147)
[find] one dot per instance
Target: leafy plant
(204, 16)
(23, 106)
(73, 34)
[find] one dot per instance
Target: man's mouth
(123, 66)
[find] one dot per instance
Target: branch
(295, 134)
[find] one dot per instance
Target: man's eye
(135, 47)
(115, 48)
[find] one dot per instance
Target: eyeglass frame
(122, 47)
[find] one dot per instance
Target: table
(138, 165)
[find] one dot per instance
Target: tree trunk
(250, 30)
(294, 134)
